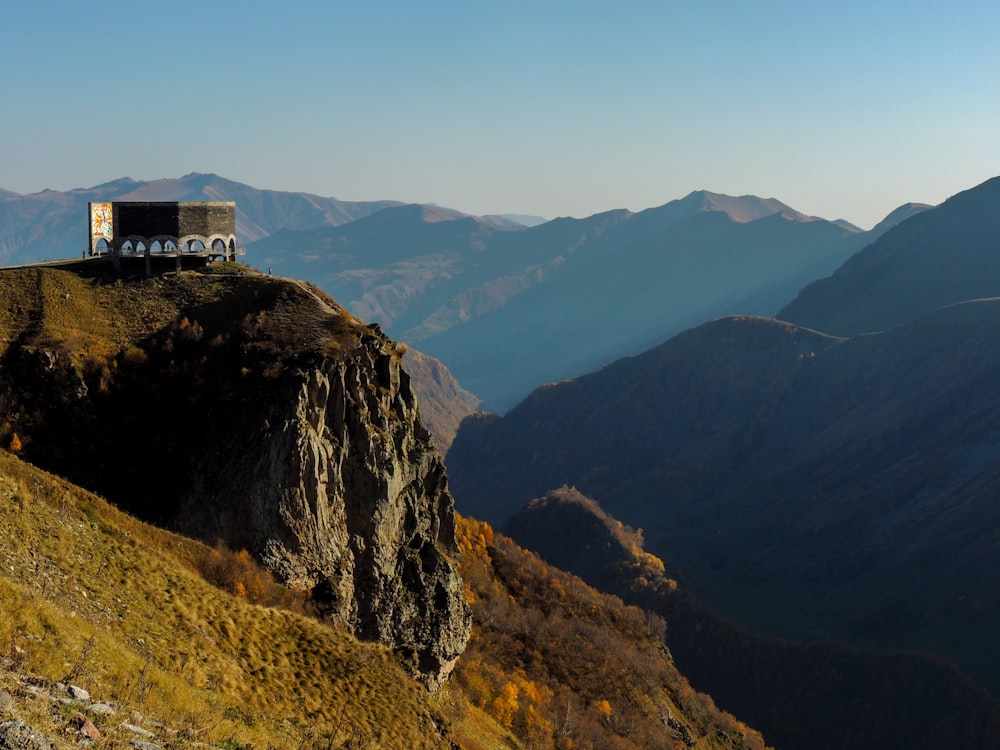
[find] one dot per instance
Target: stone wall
(174, 219)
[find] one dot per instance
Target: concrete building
(198, 230)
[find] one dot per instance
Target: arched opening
(127, 248)
(195, 246)
(218, 246)
(170, 246)
(140, 247)
(101, 248)
(156, 247)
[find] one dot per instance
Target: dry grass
(70, 308)
(90, 592)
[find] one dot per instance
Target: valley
(811, 490)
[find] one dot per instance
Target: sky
(840, 109)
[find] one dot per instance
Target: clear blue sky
(840, 109)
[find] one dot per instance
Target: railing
(167, 253)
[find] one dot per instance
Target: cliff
(247, 409)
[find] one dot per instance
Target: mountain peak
(743, 208)
(901, 214)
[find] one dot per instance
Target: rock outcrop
(345, 494)
(256, 412)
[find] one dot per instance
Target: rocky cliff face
(259, 413)
(345, 495)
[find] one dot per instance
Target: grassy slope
(165, 642)
(90, 593)
(74, 570)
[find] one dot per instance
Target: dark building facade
(197, 229)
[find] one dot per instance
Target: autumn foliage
(563, 666)
(240, 574)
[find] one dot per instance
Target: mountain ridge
(936, 257)
(333, 481)
(450, 286)
(770, 464)
(804, 696)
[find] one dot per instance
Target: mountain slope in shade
(584, 670)
(804, 485)
(937, 257)
(509, 310)
(127, 610)
(527, 220)
(823, 696)
(443, 402)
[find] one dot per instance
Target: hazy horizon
(551, 109)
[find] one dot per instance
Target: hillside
(507, 311)
(819, 696)
(937, 257)
(93, 597)
(249, 409)
(569, 667)
(443, 402)
(90, 360)
(804, 486)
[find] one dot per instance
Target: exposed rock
(101, 709)
(347, 496)
(6, 701)
(136, 730)
(15, 735)
(85, 727)
(78, 693)
(283, 426)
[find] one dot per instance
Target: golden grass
(92, 593)
(87, 311)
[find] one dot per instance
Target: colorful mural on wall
(101, 223)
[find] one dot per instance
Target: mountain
(937, 257)
(803, 485)
(561, 661)
(113, 621)
(819, 696)
(508, 310)
(117, 627)
(900, 215)
(527, 220)
(257, 415)
(473, 291)
(52, 224)
(248, 409)
(443, 402)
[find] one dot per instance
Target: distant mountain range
(53, 224)
(505, 305)
(510, 310)
(807, 485)
(826, 475)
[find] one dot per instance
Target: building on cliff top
(197, 230)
